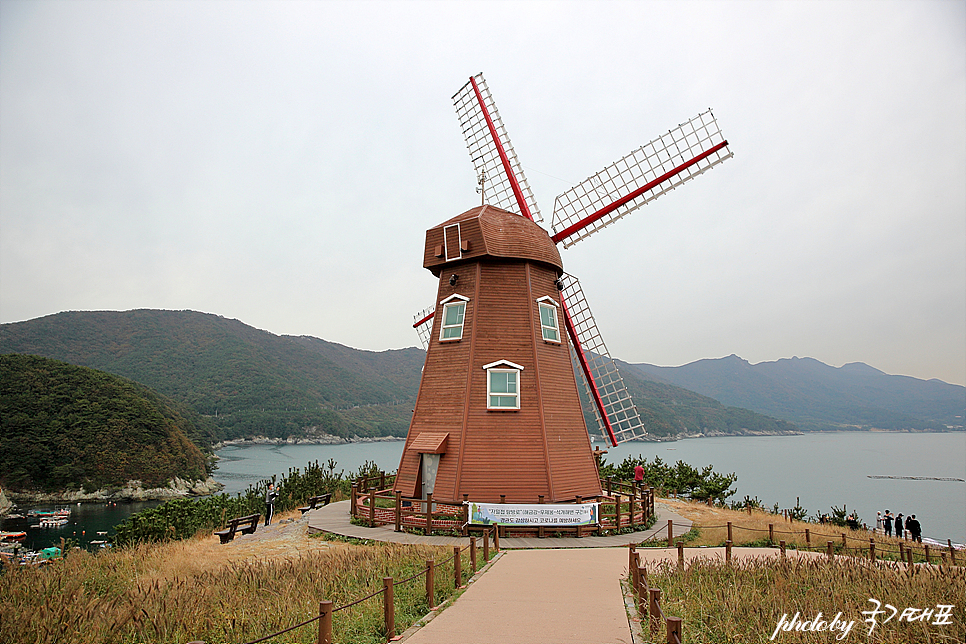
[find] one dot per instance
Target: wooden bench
(316, 502)
(245, 525)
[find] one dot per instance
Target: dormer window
(503, 385)
(548, 319)
(454, 310)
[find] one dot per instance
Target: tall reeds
(130, 596)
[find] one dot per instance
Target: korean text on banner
(532, 514)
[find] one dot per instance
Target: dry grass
(745, 602)
(200, 590)
(748, 529)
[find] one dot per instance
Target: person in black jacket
(887, 524)
(898, 524)
(915, 530)
(270, 496)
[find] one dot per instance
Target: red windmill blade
(504, 184)
(641, 176)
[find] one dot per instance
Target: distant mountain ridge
(243, 382)
(816, 396)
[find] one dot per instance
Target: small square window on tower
(454, 310)
(548, 319)
(503, 385)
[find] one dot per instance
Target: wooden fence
(625, 505)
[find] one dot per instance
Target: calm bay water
(821, 469)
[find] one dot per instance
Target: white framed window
(503, 385)
(548, 319)
(454, 311)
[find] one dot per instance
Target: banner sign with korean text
(533, 514)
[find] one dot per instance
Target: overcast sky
(280, 162)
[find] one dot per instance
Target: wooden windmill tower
(499, 409)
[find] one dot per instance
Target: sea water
(820, 469)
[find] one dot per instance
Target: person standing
(638, 475)
(887, 524)
(908, 527)
(270, 496)
(915, 530)
(898, 524)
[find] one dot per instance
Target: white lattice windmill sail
(592, 361)
(642, 176)
(504, 184)
(423, 323)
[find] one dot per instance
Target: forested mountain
(247, 382)
(243, 381)
(65, 426)
(668, 410)
(816, 396)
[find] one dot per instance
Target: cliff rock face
(133, 490)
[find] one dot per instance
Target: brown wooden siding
(542, 449)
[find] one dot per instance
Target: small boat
(53, 522)
(13, 536)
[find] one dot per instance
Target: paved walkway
(538, 591)
(334, 518)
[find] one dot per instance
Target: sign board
(533, 514)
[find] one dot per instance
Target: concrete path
(334, 518)
(533, 596)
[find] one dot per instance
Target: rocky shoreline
(177, 488)
(325, 439)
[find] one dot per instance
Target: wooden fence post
(398, 511)
(771, 533)
(540, 532)
(352, 500)
(680, 555)
(829, 547)
(670, 533)
(382, 480)
(871, 549)
(654, 609)
(429, 514)
(927, 553)
(729, 532)
(635, 572)
(674, 630)
(952, 551)
(579, 501)
(473, 555)
(325, 623)
(781, 546)
(496, 538)
(457, 567)
(633, 502)
(486, 547)
(902, 552)
(430, 583)
(728, 552)
(808, 539)
(388, 608)
(372, 508)
(844, 543)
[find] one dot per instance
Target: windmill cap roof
(488, 231)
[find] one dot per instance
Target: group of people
(909, 525)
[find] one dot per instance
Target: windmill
(498, 406)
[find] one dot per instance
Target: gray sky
(279, 163)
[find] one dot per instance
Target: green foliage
(239, 381)
(183, 518)
(65, 426)
(703, 485)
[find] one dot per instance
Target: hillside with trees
(66, 427)
(816, 396)
(240, 380)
